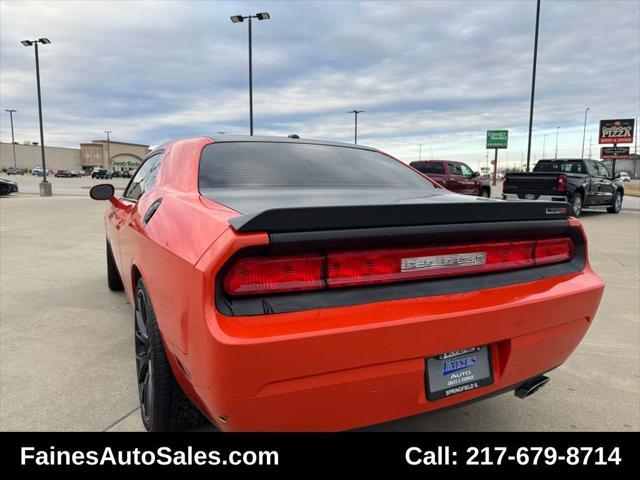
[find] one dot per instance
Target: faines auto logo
(452, 366)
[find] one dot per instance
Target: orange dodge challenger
(293, 284)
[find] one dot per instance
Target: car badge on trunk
(443, 261)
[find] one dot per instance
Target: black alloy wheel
(144, 353)
(163, 404)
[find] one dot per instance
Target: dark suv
(102, 173)
(454, 176)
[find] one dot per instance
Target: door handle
(151, 211)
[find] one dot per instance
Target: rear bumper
(540, 198)
(346, 367)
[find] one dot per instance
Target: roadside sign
(614, 153)
(497, 138)
(617, 131)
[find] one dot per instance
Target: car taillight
(553, 251)
(562, 183)
(275, 274)
(255, 275)
(504, 182)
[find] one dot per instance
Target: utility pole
(13, 140)
(635, 146)
(45, 187)
(557, 133)
(240, 19)
(356, 112)
(544, 145)
(533, 82)
(108, 166)
(590, 138)
(584, 130)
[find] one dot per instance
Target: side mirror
(617, 175)
(476, 174)
(104, 191)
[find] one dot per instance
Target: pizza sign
(616, 131)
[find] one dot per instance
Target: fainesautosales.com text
(188, 456)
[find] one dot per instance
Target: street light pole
(533, 82)
(250, 80)
(584, 130)
(557, 132)
(108, 132)
(13, 140)
(355, 113)
(544, 145)
(240, 19)
(45, 187)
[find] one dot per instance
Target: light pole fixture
(13, 140)
(533, 82)
(557, 132)
(108, 132)
(355, 113)
(45, 187)
(584, 130)
(240, 19)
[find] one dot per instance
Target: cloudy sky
(438, 73)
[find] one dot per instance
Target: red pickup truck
(454, 176)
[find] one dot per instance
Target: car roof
(437, 161)
(274, 139)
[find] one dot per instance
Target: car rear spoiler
(304, 219)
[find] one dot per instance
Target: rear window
(272, 164)
(429, 167)
(560, 166)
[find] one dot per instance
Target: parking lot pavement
(66, 342)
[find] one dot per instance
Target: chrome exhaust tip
(532, 386)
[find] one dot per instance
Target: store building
(111, 155)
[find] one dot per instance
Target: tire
(617, 203)
(113, 277)
(5, 190)
(163, 405)
(485, 193)
(576, 202)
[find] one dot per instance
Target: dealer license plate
(456, 372)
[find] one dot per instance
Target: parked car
(455, 176)
(116, 174)
(101, 173)
(7, 187)
(335, 289)
(582, 183)
(63, 174)
(36, 171)
(15, 171)
(625, 177)
(126, 174)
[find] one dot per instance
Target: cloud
(436, 73)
